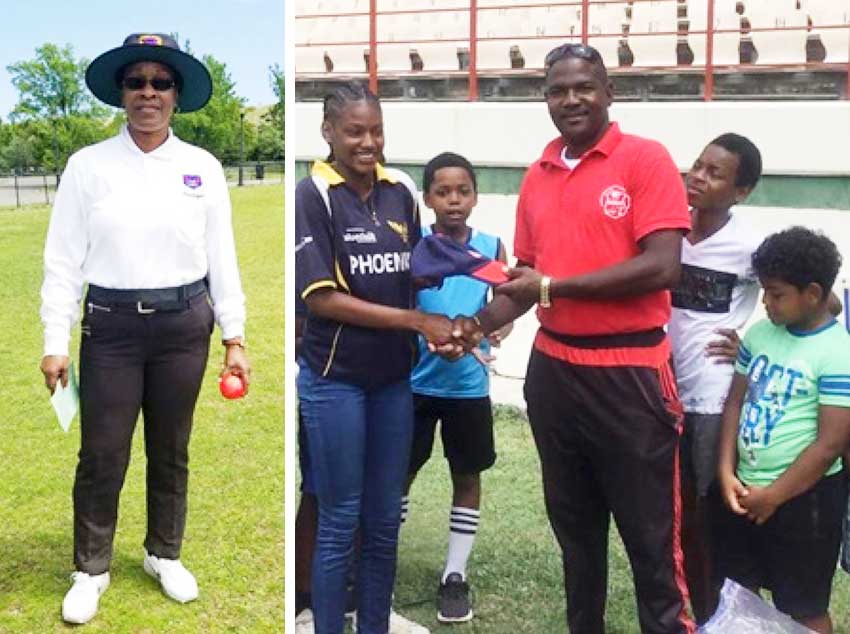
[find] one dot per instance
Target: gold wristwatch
(545, 298)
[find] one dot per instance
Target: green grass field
(235, 530)
(515, 570)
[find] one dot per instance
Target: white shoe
(304, 622)
(177, 582)
(400, 625)
(80, 603)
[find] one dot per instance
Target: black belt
(640, 339)
(146, 300)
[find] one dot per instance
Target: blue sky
(247, 35)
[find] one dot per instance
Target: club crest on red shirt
(615, 202)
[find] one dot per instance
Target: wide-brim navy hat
(103, 75)
(438, 256)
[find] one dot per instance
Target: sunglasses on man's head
(160, 84)
(579, 51)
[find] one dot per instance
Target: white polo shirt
(126, 219)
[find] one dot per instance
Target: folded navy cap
(437, 257)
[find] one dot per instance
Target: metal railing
(584, 7)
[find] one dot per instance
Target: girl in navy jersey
(356, 223)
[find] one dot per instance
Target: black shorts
(466, 427)
(698, 449)
(793, 554)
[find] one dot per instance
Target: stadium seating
(334, 6)
(777, 47)
(653, 17)
(394, 58)
(830, 13)
(438, 56)
(532, 29)
(309, 60)
(725, 18)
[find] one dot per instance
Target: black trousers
(132, 362)
(608, 444)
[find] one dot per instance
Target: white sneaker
(304, 622)
(80, 603)
(177, 582)
(400, 625)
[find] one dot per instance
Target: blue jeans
(359, 450)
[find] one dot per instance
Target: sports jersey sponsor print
(359, 235)
(704, 290)
(771, 387)
(379, 263)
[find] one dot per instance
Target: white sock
(463, 525)
(405, 506)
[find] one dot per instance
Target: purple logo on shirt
(192, 181)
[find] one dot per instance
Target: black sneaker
(453, 600)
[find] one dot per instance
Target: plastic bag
(743, 612)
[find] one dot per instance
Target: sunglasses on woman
(160, 84)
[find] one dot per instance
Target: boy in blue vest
(786, 422)
(455, 393)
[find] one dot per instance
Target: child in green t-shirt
(785, 425)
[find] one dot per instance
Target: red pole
(585, 20)
(473, 50)
(373, 46)
(708, 93)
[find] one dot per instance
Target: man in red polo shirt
(599, 228)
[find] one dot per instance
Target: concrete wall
(795, 138)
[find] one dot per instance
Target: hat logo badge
(150, 40)
(192, 181)
(615, 202)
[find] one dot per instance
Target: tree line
(56, 115)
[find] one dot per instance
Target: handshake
(453, 338)
(450, 338)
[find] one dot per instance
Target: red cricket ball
(231, 386)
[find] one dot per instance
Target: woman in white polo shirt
(144, 219)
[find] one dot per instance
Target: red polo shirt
(571, 222)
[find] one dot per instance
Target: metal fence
(38, 187)
(30, 188)
(254, 173)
